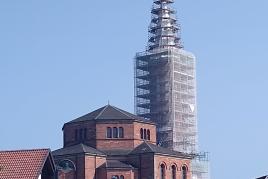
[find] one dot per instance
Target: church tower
(165, 82)
(165, 87)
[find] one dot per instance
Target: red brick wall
(104, 143)
(169, 161)
(69, 133)
(145, 162)
(137, 137)
(63, 175)
(80, 166)
(91, 163)
(147, 166)
(101, 173)
(85, 166)
(128, 174)
(131, 135)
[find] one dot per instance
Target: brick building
(110, 143)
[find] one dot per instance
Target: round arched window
(66, 166)
(109, 132)
(115, 177)
(115, 132)
(148, 135)
(184, 172)
(141, 133)
(162, 171)
(121, 132)
(144, 134)
(173, 172)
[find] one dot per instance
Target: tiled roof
(116, 164)
(147, 147)
(116, 152)
(77, 149)
(22, 164)
(109, 112)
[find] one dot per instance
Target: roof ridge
(148, 145)
(83, 147)
(25, 150)
(101, 111)
(120, 110)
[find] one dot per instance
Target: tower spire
(163, 29)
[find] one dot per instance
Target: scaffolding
(165, 86)
(200, 166)
(165, 93)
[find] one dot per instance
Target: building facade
(110, 143)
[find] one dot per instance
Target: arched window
(121, 132)
(115, 132)
(115, 177)
(162, 171)
(148, 135)
(141, 133)
(109, 132)
(144, 134)
(66, 166)
(184, 172)
(85, 133)
(121, 177)
(81, 134)
(173, 172)
(76, 134)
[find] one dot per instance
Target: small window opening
(141, 133)
(148, 135)
(109, 132)
(115, 132)
(121, 132)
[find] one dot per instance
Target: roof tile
(116, 164)
(147, 147)
(22, 164)
(77, 149)
(109, 112)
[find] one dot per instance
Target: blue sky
(62, 59)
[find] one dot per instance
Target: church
(110, 143)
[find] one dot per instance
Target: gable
(23, 163)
